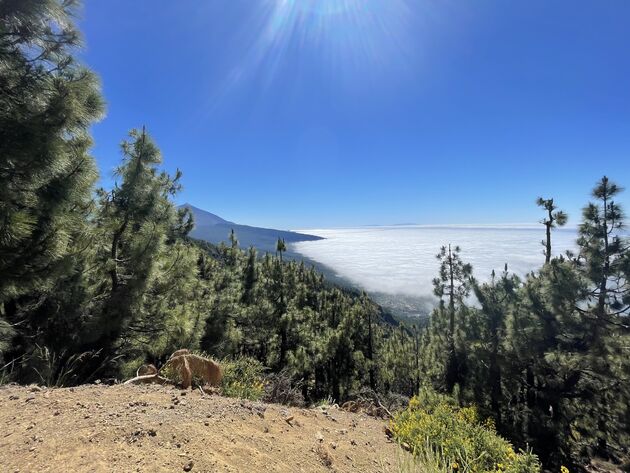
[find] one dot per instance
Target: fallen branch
(148, 379)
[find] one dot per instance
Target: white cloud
(401, 260)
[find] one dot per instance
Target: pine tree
(555, 218)
(134, 219)
(370, 355)
(281, 247)
(453, 283)
(47, 103)
(603, 261)
(250, 277)
(495, 298)
(604, 255)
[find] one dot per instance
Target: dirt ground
(159, 428)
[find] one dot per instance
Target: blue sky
(323, 113)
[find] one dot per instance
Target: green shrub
(62, 369)
(461, 440)
(243, 378)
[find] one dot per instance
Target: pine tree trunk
(548, 245)
(370, 353)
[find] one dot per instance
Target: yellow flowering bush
(460, 438)
(243, 378)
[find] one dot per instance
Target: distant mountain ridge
(214, 229)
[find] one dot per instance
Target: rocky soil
(159, 428)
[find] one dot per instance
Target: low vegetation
(243, 378)
(457, 439)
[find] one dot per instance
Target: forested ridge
(94, 282)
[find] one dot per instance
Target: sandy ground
(157, 428)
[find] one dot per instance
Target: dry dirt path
(155, 428)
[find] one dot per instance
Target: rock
(319, 437)
(188, 466)
(324, 455)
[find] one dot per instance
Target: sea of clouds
(401, 259)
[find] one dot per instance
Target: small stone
(188, 466)
(319, 437)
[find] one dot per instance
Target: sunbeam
(343, 36)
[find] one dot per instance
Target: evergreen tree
(134, 219)
(47, 103)
(604, 256)
(495, 299)
(555, 218)
(603, 261)
(453, 283)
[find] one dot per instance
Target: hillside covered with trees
(94, 282)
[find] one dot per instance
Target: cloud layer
(401, 260)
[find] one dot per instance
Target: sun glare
(342, 36)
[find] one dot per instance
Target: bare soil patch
(159, 428)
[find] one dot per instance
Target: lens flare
(344, 36)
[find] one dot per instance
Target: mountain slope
(203, 218)
(214, 229)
